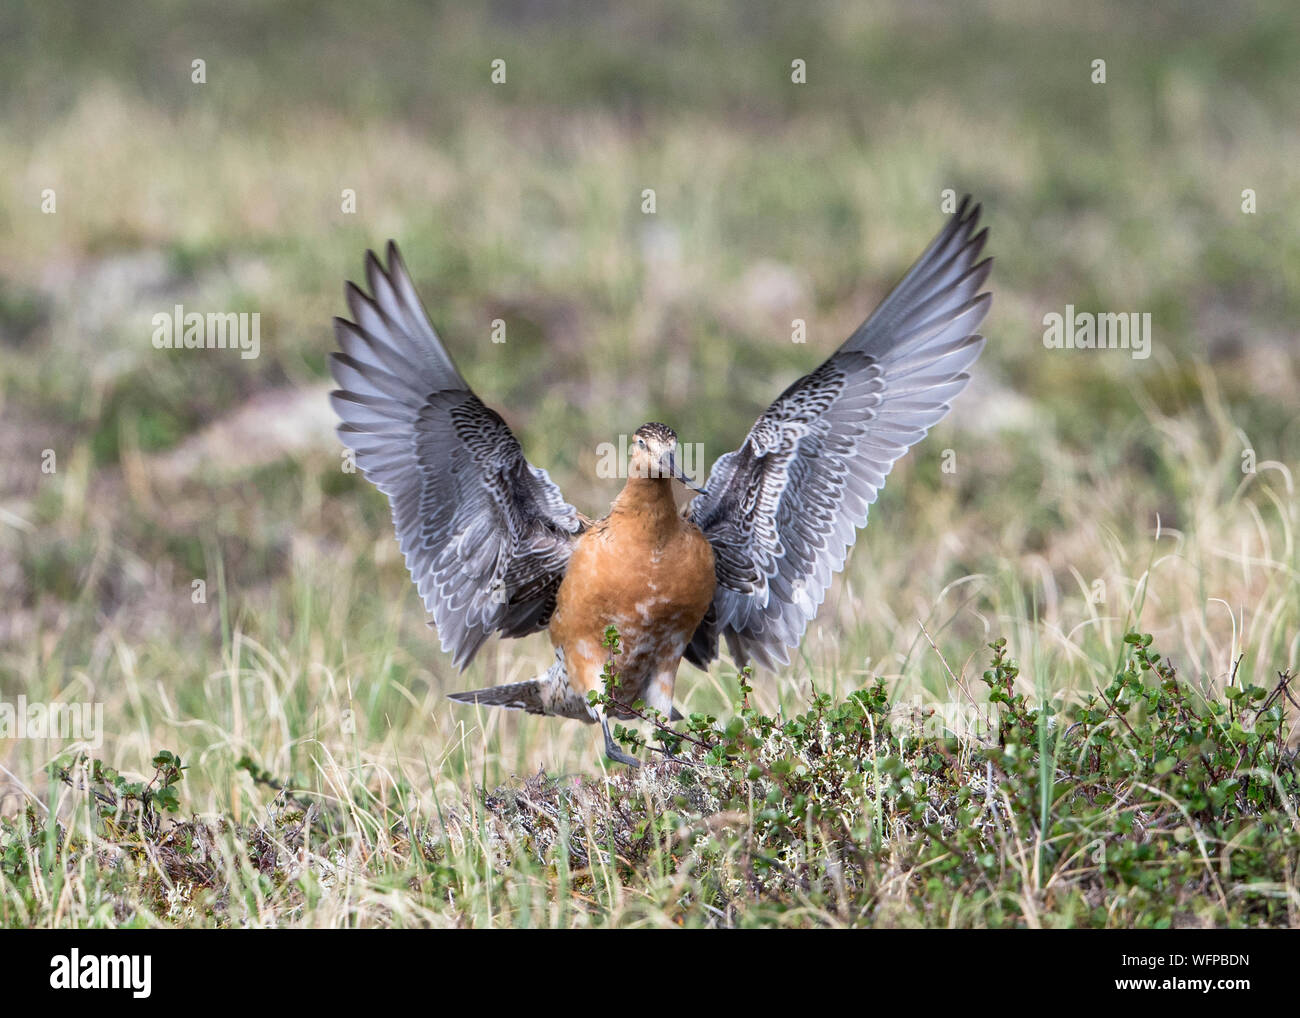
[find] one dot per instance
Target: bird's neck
(649, 502)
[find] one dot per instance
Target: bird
(494, 549)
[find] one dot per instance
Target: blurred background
(1086, 492)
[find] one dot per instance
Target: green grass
(1147, 805)
(1093, 494)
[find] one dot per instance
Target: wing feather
(783, 510)
(485, 534)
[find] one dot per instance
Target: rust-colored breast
(646, 571)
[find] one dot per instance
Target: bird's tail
(528, 696)
(514, 696)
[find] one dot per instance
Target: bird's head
(654, 454)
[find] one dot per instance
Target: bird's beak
(669, 467)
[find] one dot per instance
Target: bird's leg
(611, 750)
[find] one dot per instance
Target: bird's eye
(641, 442)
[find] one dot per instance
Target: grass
(1092, 496)
(1157, 804)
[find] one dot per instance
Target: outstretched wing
(783, 510)
(486, 534)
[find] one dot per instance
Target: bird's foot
(618, 756)
(613, 752)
